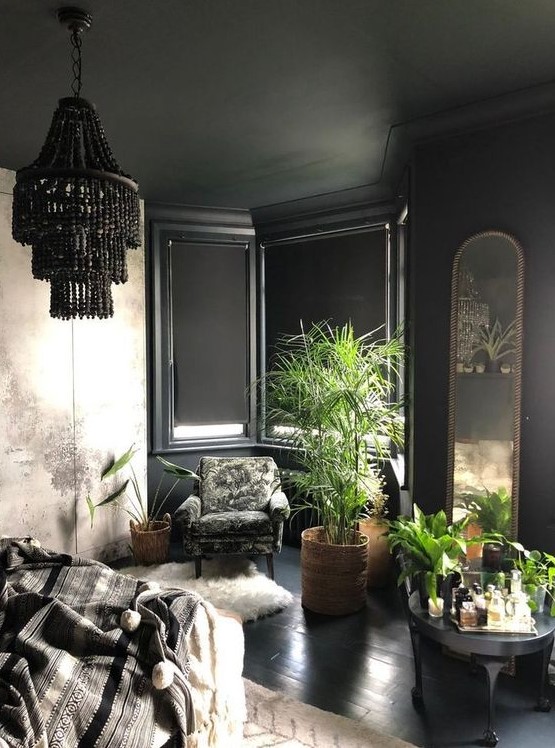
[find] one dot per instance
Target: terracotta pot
(379, 557)
(333, 577)
(151, 546)
(473, 551)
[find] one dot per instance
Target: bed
(92, 657)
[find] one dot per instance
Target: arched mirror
(484, 381)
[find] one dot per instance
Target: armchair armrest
(188, 512)
(278, 508)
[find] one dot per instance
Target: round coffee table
(491, 651)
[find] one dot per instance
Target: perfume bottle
(461, 594)
(480, 603)
(488, 594)
(516, 582)
(523, 613)
(496, 611)
(468, 614)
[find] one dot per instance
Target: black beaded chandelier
(74, 204)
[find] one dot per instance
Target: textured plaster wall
(72, 394)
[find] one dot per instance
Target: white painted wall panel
(72, 394)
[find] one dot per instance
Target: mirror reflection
(484, 415)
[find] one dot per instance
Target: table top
(443, 630)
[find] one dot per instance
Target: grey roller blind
(209, 299)
(339, 277)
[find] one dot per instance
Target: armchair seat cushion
(235, 523)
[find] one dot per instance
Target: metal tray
(487, 630)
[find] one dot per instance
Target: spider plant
(495, 341)
(330, 392)
(127, 496)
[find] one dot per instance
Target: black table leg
(416, 693)
(544, 705)
(492, 666)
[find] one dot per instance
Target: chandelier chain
(76, 42)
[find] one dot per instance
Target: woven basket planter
(151, 546)
(379, 557)
(333, 576)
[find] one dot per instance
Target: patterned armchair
(236, 507)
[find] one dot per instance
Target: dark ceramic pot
(492, 556)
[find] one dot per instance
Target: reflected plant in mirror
(491, 510)
(497, 343)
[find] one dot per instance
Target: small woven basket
(333, 577)
(151, 546)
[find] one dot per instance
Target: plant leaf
(91, 507)
(113, 496)
(177, 470)
(118, 464)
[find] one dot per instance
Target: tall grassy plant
(332, 392)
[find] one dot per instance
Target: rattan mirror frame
(517, 377)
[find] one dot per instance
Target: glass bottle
(516, 582)
(524, 612)
(481, 612)
(461, 593)
(468, 614)
(496, 611)
(488, 594)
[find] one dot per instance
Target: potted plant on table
(150, 534)
(329, 392)
(431, 548)
(538, 576)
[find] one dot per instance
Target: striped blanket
(69, 674)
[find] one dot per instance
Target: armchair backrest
(236, 483)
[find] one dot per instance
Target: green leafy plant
(492, 510)
(127, 496)
(328, 395)
(430, 546)
(538, 570)
(495, 341)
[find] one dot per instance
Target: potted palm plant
(328, 394)
(150, 532)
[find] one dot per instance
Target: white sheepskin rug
(230, 582)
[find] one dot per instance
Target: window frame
(200, 226)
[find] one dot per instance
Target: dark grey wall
(501, 178)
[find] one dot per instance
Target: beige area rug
(276, 719)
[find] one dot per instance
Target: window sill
(201, 445)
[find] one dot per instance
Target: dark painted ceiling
(252, 102)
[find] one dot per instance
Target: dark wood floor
(361, 666)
